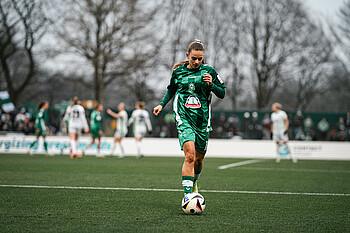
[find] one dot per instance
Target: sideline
(173, 190)
(240, 163)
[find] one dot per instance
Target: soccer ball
(193, 203)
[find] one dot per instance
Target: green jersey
(192, 102)
(96, 120)
(40, 122)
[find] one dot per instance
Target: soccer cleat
(29, 152)
(140, 156)
(72, 156)
(121, 156)
(48, 154)
(195, 187)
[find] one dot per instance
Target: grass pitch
(268, 197)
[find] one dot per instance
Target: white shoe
(121, 156)
(294, 160)
(278, 160)
(48, 154)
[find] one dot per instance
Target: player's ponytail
(179, 64)
(75, 101)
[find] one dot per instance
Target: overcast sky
(324, 8)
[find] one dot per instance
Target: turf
(71, 210)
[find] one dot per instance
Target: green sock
(33, 144)
(45, 146)
(187, 182)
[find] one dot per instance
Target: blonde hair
(141, 104)
(277, 105)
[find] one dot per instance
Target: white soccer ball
(193, 203)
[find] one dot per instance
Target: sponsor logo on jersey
(193, 102)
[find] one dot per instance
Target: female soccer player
(40, 125)
(77, 122)
(192, 83)
(279, 129)
(96, 128)
(122, 127)
(142, 125)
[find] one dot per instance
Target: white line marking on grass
(240, 164)
(295, 170)
(172, 190)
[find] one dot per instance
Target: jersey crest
(193, 102)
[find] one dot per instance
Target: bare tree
(23, 23)
(103, 32)
(271, 27)
(341, 39)
(314, 67)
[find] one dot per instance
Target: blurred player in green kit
(40, 125)
(192, 83)
(96, 128)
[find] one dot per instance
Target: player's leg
(73, 137)
(188, 166)
(99, 147)
(276, 138)
(29, 152)
(119, 141)
(138, 146)
(45, 145)
(114, 146)
(198, 165)
(201, 148)
(278, 157)
(293, 158)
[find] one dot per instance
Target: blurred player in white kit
(279, 129)
(142, 125)
(77, 122)
(122, 127)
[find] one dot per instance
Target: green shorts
(187, 133)
(39, 131)
(95, 133)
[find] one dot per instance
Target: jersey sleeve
(132, 118)
(217, 86)
(148, 122)
(171, 90)
(83, 118)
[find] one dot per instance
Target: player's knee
(189, 157)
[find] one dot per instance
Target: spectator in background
(308, 123)
(333, 135)
(340, 126)
(298, 125)
(347, 125)
(6, 123)
(323, 127)
(246, 125)
(221, 129)
(233, 125)
(266, 122)
(256, 126)
(170, 124)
